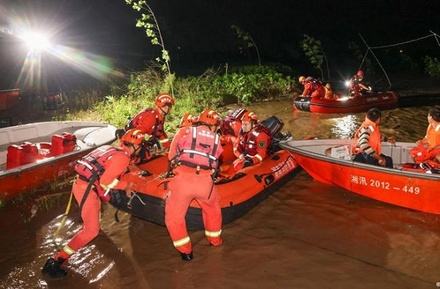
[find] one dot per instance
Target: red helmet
(210, 117)
(249, 116)
(133, 136)
(360, 72)
(163, 99)
(188, 120)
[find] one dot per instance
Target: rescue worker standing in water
(97, 174)
(194, 153)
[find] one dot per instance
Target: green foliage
(213, 89)
(149, 22)
(432, 66)
(252, 83)
(247, 38)
(314, 51)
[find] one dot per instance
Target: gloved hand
(248, 162)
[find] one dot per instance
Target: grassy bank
(214, 89)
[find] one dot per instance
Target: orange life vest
(247, 143)
(203, 150)
(158, 130)
(91, 167)
(374, 140)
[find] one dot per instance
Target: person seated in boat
(231, 125)
(356, 85)
(329, 92)
(151, 121)
(98, 174)
(194, 154)
(252, 146)
(428, 148)
(367, 141)
(313, 88)
(230, 130)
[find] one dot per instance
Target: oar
(63, 220)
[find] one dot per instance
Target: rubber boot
(186, 257)
(53, 268)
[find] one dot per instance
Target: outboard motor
(274, 124)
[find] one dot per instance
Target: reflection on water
(406, 124)
(305, 235)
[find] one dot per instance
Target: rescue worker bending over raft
(194, 152)
(367, 141)
(151, 121)
(97, 174)
(253, 144)
(313, 88)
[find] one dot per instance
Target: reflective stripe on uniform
(199, 153)
(111, 185)
(258, 157)
(213, 234)
(181, 242)
(68, 250)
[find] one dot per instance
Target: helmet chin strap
(133, 154)
(164, 113)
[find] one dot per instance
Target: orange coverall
(186, 186)
(114, 167)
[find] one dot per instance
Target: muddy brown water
(305, 235)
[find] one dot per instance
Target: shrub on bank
(213, 89)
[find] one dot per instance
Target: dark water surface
(305, 235)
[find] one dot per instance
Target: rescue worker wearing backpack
(151, 121)
(97, 174)
(194, 154)
(252, 146)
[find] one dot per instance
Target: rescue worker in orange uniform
(97, 174)
(151, 121)
(252, 146)
(313, 88)
(328, 91)
(356, 85)
(428, 148)
(188, 120)
(367, 141)
(194, 154)
(230, 129)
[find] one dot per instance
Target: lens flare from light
(36, 41)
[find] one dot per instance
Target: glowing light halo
(36, 41)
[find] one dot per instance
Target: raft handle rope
(131, 199)
(260, 176)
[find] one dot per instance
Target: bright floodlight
(36, 41)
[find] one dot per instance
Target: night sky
(198, 35)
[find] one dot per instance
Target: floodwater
(305, 235)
